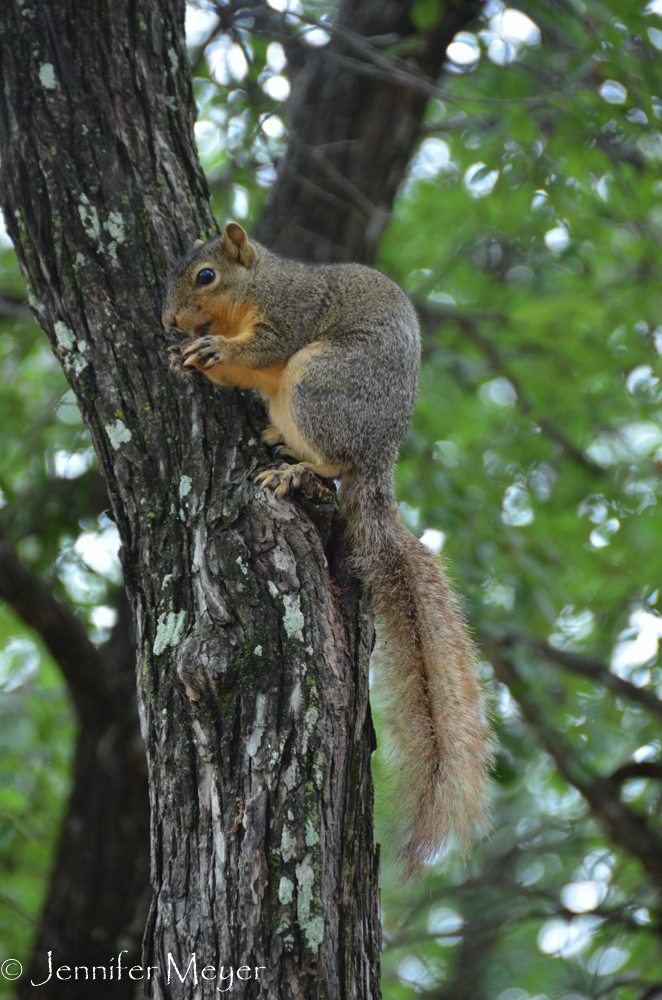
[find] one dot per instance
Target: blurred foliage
(529, 232)
(51, 499)
(36, 735)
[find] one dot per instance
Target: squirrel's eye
(205, 276)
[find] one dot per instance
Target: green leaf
(425, 14)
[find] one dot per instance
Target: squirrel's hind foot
(303, 477)
(285, 479)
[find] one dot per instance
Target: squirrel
(334, 350)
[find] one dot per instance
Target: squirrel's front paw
(176, 356)
(176, 362)
(204, 352)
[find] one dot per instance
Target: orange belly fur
(233, 320)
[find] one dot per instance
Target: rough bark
(352, 135)
(253, 643)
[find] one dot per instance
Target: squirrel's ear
(236, 246)
(198, 243)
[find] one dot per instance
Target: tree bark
(253, 641)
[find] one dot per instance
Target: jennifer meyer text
(224, 976)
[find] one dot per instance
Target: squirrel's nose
(169, 320)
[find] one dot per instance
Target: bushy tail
(427, 663)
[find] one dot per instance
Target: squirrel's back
(344, 304)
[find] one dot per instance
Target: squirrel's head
(208, 272)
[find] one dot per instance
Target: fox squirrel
(334, 350)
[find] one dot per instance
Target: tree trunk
(351, 134)
(253, 642)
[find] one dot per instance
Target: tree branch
(64, 636)
(625, 828)
(14, 307)
(589, 668)
(636, 769)
(53, 501)
(474, 954)
(423, 85)
(431, 316)
(653, 992)
(100, 878)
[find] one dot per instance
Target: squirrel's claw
(202, 353)
(288, 478)
(304, 480)
(177, 363)
(198, 345)
(278, 480)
